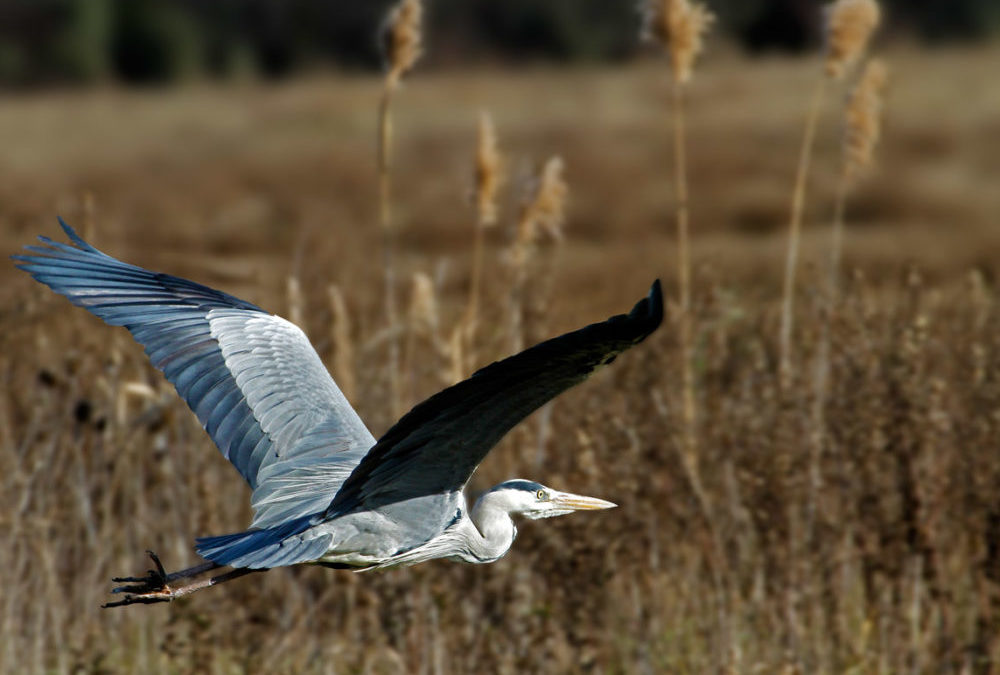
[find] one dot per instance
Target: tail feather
(288, 544)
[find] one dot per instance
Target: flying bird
(324, 490)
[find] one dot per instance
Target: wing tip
(649, 310)
(37, 254)
(73, 236)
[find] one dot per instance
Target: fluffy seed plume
(401, 39)
(489, 167)
(546, 210)
(543, 209)
(679, 26)
(863, 118)
(849, 25)
(423, 305)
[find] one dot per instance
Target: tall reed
(862, 125)
(543, 209)
(343, 345)
(488, 176)
(422, 323)
(679, 26)
(401, 45)
(848, 26)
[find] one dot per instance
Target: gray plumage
(323, 489)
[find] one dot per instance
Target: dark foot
(145, 590)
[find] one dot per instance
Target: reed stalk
(679, 26)
(343, 346)
(848, 26)
(862, 128)
(388, 244)
(488, 177)
(794, 235)
(542, 210)
(684, 278)
(401, 38)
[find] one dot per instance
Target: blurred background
(155, 41)
(234, 143)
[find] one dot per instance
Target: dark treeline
(44, 41)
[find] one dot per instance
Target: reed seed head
(545, 209)
(401, 40)
(343, 347)
(863, 118)
(295, 301)
(456, 356)
(848, 25)
(679, 26)
(423, 305)
(489, 170)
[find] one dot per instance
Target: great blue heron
(324, 491)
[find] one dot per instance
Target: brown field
(885, 559)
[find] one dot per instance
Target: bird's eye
(542, 495)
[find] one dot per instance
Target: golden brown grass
(901, 572)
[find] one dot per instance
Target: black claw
(140, 589)
(130, 580)
(162, 573)
(133, 589)
(135, 600)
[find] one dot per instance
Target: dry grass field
(877, 553)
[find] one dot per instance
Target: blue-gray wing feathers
(252, 378)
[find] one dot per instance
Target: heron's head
(534, 500)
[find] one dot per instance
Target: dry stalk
(684, 279)
(794, 229)
(544, 210)
(862, 125)
(488, 177)
(401, 48)
(294, 290)
(679, 27)
(343, 347)
(388, 256)
(848, 26)
(423, 323)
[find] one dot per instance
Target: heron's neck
(494, 530)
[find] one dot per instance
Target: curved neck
(493, 530)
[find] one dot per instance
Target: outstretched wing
(436, 446)
(252, 378)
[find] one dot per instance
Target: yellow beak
(580, 503)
